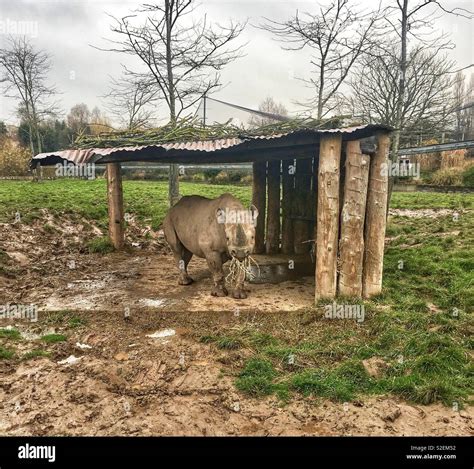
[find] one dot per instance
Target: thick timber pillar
(351, 243)
(375, 218)
(327, 229)
(115, 204)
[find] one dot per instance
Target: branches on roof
(190, 129)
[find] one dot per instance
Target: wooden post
(259, 196)
(288, 188)
(327, 216)
(302, 232)
(351, 244)
(375, 218)
(115, 202)
(273, 212)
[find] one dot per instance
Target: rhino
(215, 229)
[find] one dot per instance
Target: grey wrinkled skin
(192, 227)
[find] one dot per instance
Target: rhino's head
(239, 228)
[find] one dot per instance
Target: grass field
(421, 326)
(148, 199)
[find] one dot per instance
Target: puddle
(281, 272)
(152, 303)
(71, 360)
(55, 304)
(423, 213)
(162, 334)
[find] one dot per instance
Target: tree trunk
(401, 96)
(173, 189)
(259, 196)
(36, 127)
(273, 213)
(375, 219)
(351, 244)
(327, 217)
(30, 137)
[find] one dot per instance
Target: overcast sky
(66, 29)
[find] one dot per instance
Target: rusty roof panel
(158, 152)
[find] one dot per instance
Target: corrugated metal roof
(183, 151)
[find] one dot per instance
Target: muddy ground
(111, 378)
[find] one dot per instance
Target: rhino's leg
(183, 261)
(239, 292)
(214, 261)
(181, 255)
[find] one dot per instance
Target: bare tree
(130, 102)
(408, 24)
(99, 121)
(462, 96)
(469, 107)
(375, 89)
(268, 105)
(82, 121)
(181, 57)
(79, 118)
(338, 36)
(25, 72)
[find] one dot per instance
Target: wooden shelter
(326, 187)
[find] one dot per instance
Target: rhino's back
(198, 210)
(194, 221)
(191, 210)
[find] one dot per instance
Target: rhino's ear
(254, 211)
(220, 215)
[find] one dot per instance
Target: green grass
(222, 342)
(418, 200)
(228, 343)
(35, 353)
(53, 338)
(65, 318)
(101, 245)
(146, 200)
(6, 354)
(257, 378)
(75, 321)
(434, 368)
(12, 334)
